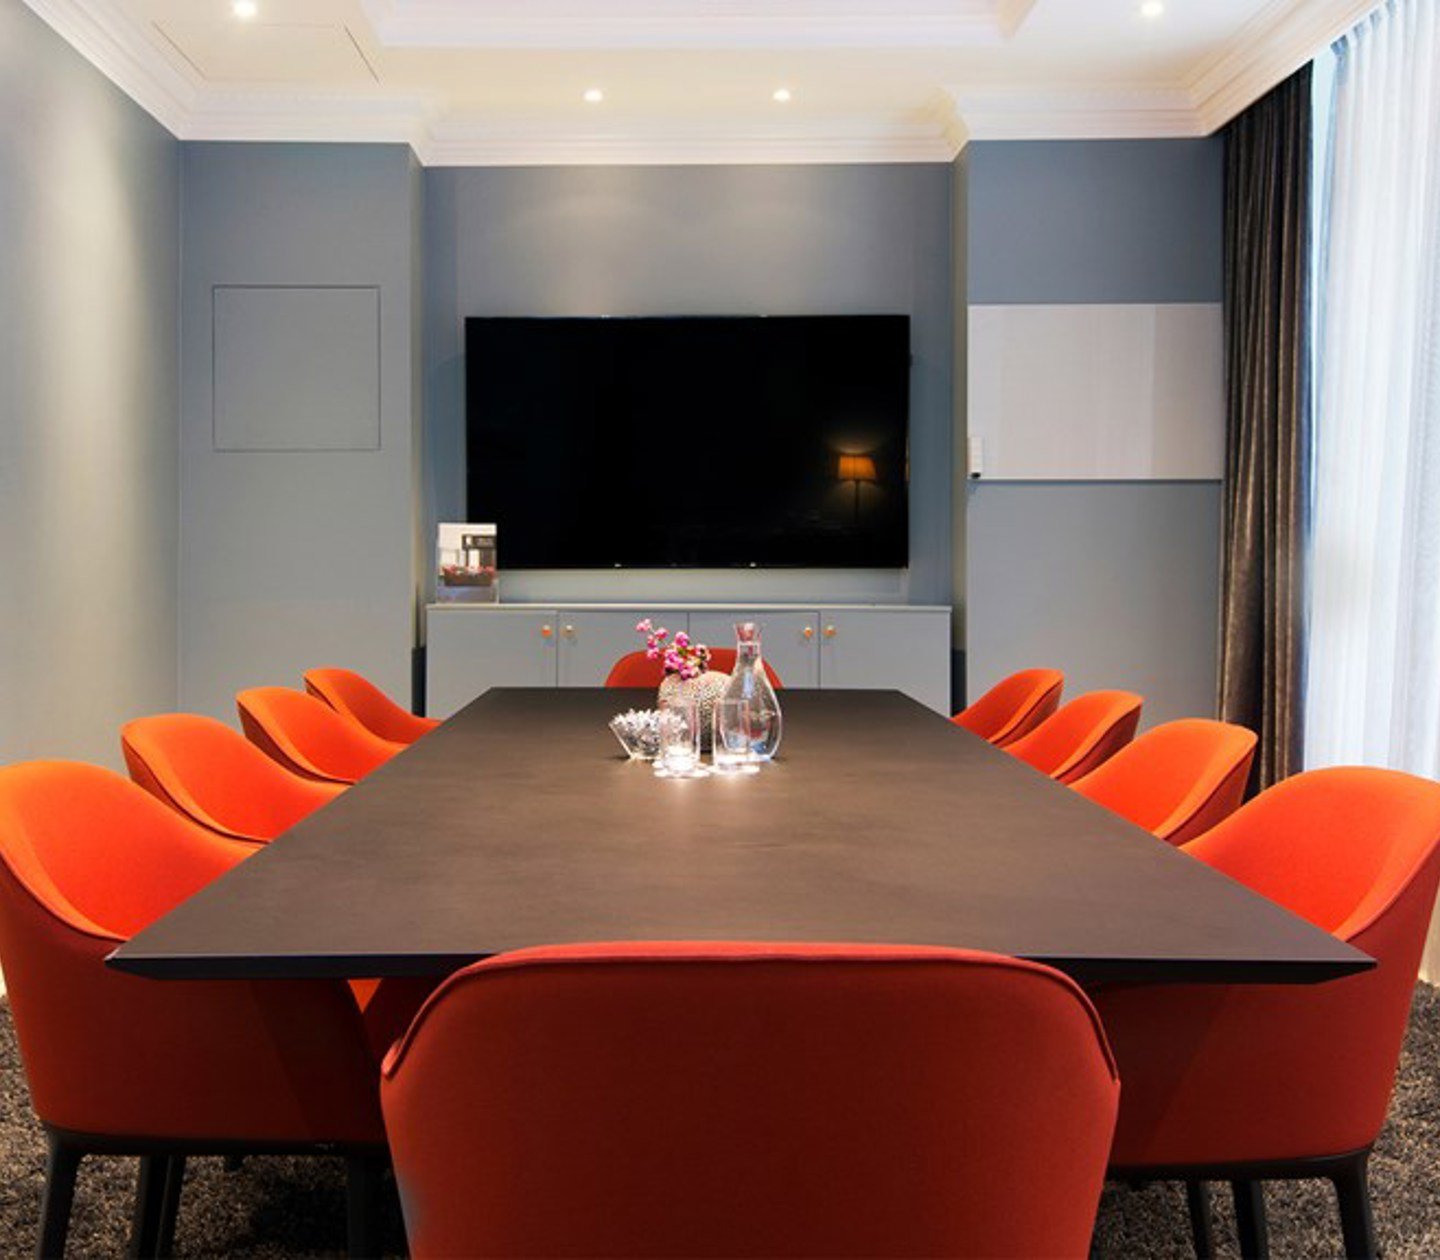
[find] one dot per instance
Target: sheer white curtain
(1373, 660)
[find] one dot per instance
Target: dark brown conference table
(518, 822)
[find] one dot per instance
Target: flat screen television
(690, 441)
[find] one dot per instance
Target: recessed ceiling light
(594, 96)
(245, 9)
(782, 95)
(1152, 8)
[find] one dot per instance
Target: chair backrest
(87, 859)
(635, 669)
(99, 853)
(1334, 846)
(353, 694)
(1227, 1073)
(751, 1100)
(308, 737)
(1177, 780)
(217, 778)
(1081, 735)
(1014, 706)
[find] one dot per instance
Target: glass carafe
(749, 683)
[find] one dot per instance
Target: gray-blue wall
(700, 240)
(89, 258)
(1117, 583)
(299, 416)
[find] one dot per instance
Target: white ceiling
(502, 81)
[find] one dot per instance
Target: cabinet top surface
(683, 606)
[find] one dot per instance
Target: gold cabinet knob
(546, 631)
(830, 632)
(808, 633)
(568, 632)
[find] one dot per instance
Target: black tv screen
(661, 442)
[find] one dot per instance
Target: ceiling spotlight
(782, 95)
(1152, 8)
(245, 9)
(593, 96)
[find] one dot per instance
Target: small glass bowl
(638, 731)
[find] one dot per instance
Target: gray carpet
(296, 1207)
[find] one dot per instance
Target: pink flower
(682, 640)
(653, 652)
(643, 627)
(661, 633)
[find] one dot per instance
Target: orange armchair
(217, 778)
(356, 696)
(117, 1064)
(635, 669)
(1080, 735)
(750, 1100)
(1177, 780)
(1248, 1082)
(1013, 707)
(309, 738)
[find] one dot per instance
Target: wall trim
(122, 53)
(1268, 50)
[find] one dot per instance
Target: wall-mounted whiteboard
(1102, 392)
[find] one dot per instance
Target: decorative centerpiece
(687, 665)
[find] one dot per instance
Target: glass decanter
(750, 684)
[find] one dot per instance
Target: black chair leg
(149, 1204)
(1202, 1232)
(61, 1165)
(362, 1205)
(1250, 1219)
(1352, 1189)
(170, 1206)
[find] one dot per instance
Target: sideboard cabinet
(470, 648)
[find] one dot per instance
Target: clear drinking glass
(731, 746)
(680, 734)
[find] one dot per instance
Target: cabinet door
(471, 650)
(876, 648)
(592, 641)
(789, 641)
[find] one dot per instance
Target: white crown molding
(520, 142)
(692, 23)
(122, 53)
(1076, 113)
(319, 117)
(1267, 50)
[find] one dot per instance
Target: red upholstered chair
(709, 1099)
(1013, 707)
(217, 778)
(1177, 780)
(356, 696)
(1080, 735)
(635, 669)
(309, 738)
(1251, 1082)
(121, 1065)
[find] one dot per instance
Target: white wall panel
(1102, 391)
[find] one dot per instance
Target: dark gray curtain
(1267, 462)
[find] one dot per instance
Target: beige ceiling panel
(316, 55)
